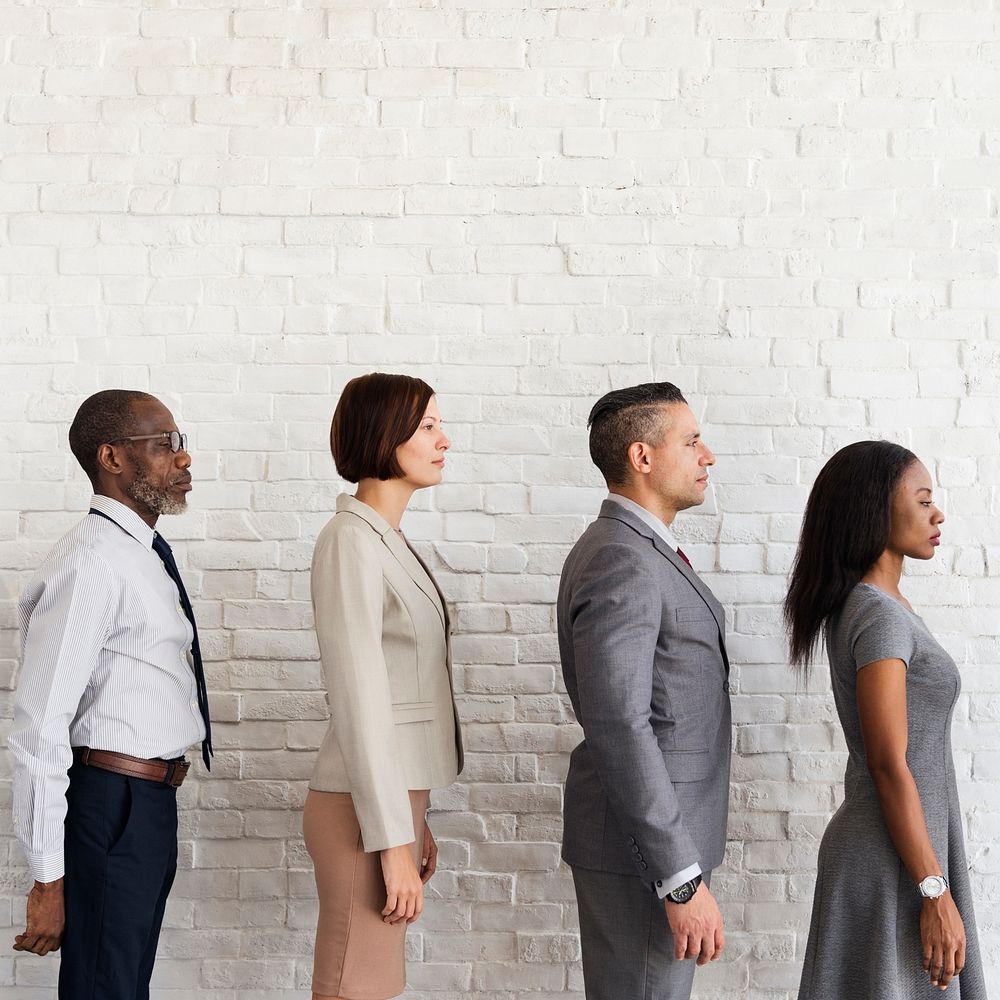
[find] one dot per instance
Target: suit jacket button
(643, 865)
(725, 686)
(631, 840)
(635, 850)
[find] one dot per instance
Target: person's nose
(182, 459)
(443, 443)
(938, 516)
(708, 456)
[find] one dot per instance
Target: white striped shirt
(106, 664)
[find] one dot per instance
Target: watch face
(683, 893)
(932, 886)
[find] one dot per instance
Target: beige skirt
(358, 956)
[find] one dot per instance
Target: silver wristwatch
(933, 886)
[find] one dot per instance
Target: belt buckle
(176, 773)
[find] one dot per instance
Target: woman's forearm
(904, 817)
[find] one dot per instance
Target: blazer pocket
(687, 765)
(694, 613)
(413, 711)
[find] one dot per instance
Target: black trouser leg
(121, 855)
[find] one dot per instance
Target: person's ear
(109, 460)
(638, 457)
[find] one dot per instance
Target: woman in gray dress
(892, 914)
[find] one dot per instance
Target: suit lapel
(417, 570)
(437, 590)
(706, 595)
(615, 510)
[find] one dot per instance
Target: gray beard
(157, 499)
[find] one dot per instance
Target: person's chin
(177, 504)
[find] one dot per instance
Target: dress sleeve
(882, 630)
(347, 604)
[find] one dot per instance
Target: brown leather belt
(166, 772)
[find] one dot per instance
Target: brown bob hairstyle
(376, 413)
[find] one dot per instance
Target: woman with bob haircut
(383, 636)
(892, 914)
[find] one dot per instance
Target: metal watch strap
(937, 882)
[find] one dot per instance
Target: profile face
(682, 460)
(916, 520)
(422, 456)
(159, 479)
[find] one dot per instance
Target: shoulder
(867, 606)
(610, 558)
(347, 535)
(873, 626)
(77, 560)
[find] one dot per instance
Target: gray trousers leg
(627, 945)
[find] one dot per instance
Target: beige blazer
(384, 641)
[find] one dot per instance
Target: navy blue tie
(161, 548)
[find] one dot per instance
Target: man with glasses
(111, 695)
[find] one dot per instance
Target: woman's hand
(404, 890)
(942, 934)
(429, 855)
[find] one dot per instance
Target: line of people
(112, 694)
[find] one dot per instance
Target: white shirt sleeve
(62, 638)
(665, 885)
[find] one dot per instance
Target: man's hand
(696, 926)
(46, 919)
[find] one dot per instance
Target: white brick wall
(791, 212)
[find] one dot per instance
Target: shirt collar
(647, 517)
(126, 519)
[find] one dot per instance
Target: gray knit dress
(864, 939)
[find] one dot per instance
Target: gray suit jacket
(642, 644)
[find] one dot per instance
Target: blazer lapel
(418, 571)
(611, 509)
(437, 590)
(402, 552)
(706, 595)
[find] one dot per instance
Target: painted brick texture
(789, 209)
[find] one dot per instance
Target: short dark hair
(622, 417)
(375, 414)
(845, 529)
(102, 418)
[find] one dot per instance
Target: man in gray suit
(642, 644)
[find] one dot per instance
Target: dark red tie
(680, 552)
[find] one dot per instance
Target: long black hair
(845, 530)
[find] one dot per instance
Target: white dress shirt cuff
(46, 867)
(665, 885)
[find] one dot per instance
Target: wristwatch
(933, 886)
(684, 893)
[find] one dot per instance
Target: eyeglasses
(178, 441)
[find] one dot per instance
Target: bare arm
(884, 726)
